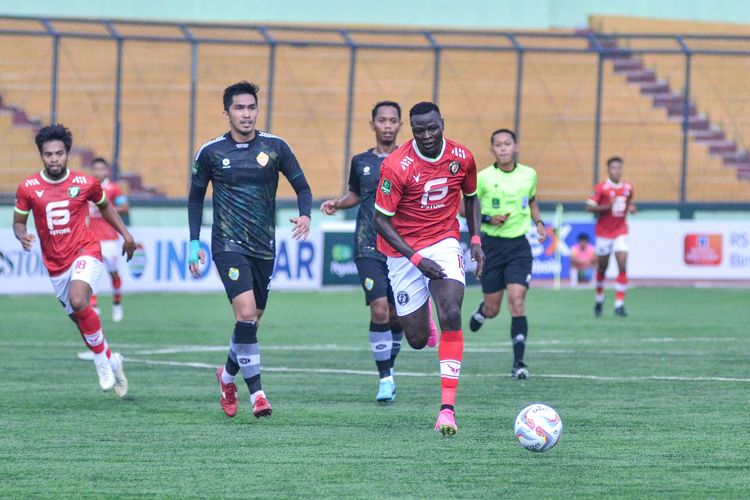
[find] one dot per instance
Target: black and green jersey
(364, 176)
(245, 177)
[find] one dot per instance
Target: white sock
(115, 362)
(101, 358)
(389, 378)
(254, 395)
(226, 378)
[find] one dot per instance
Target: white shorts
(410, 286)
(84, 268)
(111, 250)
(605, 246)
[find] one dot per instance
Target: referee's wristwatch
(537, 222)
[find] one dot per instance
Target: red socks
(91, 330)
(450, 353)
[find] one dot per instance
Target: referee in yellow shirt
(507, 194)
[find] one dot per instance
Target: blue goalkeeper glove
(195, 247)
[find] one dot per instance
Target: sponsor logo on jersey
(385, 187)
(233, 273)
(369, 283)
(73, 191)
(79, 179)
(39, 193)
(32, 182)
(262, 159)
(406, 162)
(495, 202)
(225, 163)
(366, 170)
(195, 168)
(453, 167)
(459, 152)
(402, 298)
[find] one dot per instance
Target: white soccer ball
(538, 427)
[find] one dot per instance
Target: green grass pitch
(653, 405)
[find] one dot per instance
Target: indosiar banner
(160, 263)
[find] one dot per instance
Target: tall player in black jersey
(244, 165)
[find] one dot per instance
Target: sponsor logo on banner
(137, 265)
(703, 249)
(339, 267)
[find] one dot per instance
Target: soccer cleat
(520, 371)
(477, 319)
(386, 392)
(446, 423)
(228, 395)
(620, 311)
(116, 313)
(106, 375)
(598, 309)
(121, 382)
(261, 407)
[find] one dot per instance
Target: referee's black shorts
(240, 273)
(507, 260)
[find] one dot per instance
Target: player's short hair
(239, 88)
(56, 132)
(502, 131)
(99, 159)
(422, 108)
(583, 237)
(379, 105)
(614, 159)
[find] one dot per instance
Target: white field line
(331, 371)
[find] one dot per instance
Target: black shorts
(373, 276)
(507, 260)
(240, 273)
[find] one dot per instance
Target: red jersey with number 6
(612, 223)
(422, 195)
(60, 208)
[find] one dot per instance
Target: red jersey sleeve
(96, 193)
(469, 184)
(390, 188)
(23, 204)
(596, 198)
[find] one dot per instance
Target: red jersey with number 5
(422, 195)
(612, 223)
(60, 208)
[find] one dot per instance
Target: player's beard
(60, 175)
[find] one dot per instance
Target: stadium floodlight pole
(685, 128)
(54, 72)
(349, 101)
(271, 74)
(117, 129)
(436, 66)
(519, 81)
(193, 94)
(598, 113)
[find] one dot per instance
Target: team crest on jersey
(495, 202)
(403, 298)
(73, 191)
(233, 273)
(453, 167)
(369, 283)
(262, 159)
(386, 187)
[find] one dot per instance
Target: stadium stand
(641, 111)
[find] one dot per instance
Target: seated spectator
(582, 260)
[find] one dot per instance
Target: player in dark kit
(364, 175)
(243, 166)
(416, 205)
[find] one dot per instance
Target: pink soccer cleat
(228, 395)
(433, 339)
(261, 407)
(446, 423)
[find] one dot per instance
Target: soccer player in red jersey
(611, 203)
(106, 234)
(59, 198)
(416, 206)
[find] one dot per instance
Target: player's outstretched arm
(19, 229)
(428, 267)
(113, 218)
(473, 219)
(349, 200)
